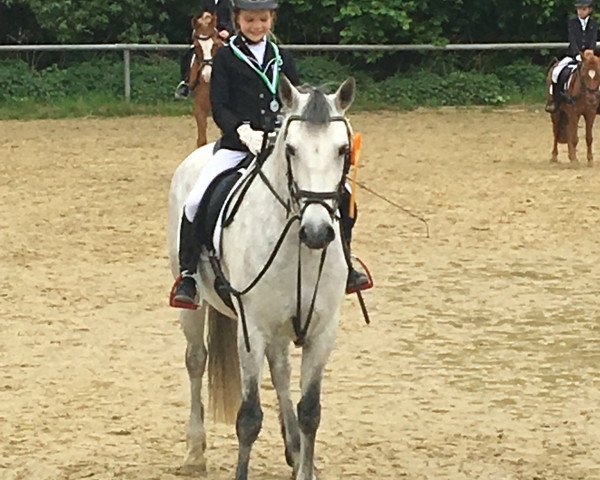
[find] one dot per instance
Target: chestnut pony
(583, 93)
(206, 43)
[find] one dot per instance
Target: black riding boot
(183, 90)
(189, 256)
(357, 280)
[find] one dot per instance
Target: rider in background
(221, 9)
(583, 31)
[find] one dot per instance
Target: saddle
(214, 199)
(564, 77)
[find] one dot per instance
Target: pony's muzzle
(316, 237)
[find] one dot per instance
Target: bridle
(204, 62)
(295, 206)
(301, 199)
(202, 38)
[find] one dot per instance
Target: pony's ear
(288, 93)
(345, 95)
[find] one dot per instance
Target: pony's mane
(317, 110)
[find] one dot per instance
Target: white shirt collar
(584, 22)
(258, 50)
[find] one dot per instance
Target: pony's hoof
(194, 462)
(192, 469)
(590, 163)
(314, 477)
(553, 159)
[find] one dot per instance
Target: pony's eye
(290, 151)
(343, 150)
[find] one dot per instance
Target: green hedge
(154, 80)
(151, 80)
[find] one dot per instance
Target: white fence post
(127, 73)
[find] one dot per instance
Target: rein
(296, 196)
(237, 294)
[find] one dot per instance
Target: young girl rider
(583, 30)
(245, 104)
(221, 9)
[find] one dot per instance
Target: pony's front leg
(589, 137)
(201, 112)
(249, 419)
(279, 364)
(314, 358)
(192, 322)
(202, 122)
(572, 139)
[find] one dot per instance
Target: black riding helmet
(583, 3)
(255, 4)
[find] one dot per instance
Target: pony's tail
(561, 127)
(224, 385)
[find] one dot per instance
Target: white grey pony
(297, 298)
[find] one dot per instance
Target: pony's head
(590, 71)
(204, 25)
(316, 139)
(206, 42)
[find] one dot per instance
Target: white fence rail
(127, 48)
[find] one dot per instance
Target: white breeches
(559, 66)
(223, 160)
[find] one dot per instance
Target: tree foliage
(300, 21)
(87, 21)
(425, 21)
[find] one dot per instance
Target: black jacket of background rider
(223, 12)
(238, 95)
(579, 39)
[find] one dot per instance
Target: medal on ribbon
(274, 63)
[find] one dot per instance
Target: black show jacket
(238, 94)
(579, 39)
